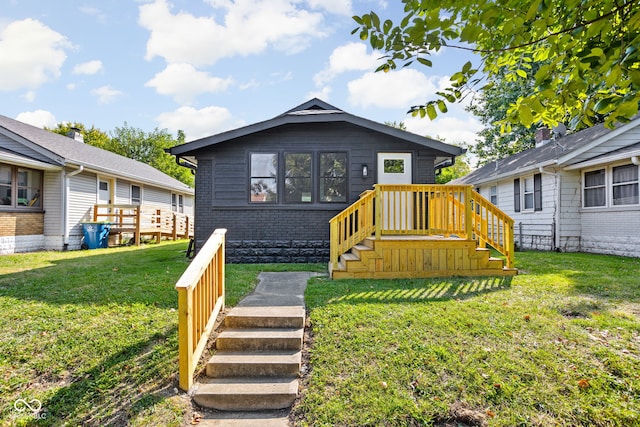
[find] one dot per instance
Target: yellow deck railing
(201, 294)
(144, 220)
(447, 210)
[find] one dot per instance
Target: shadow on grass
(322, 291)
(117, 388)
(101, 277)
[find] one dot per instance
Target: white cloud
(395, 89)
(183, 82)
(100, 16)
(30, 54)
(452, 129)
(106, 94)
(199, 123)
(250, 27)
(89, 68)
(322, 93)
(29, 96)
(39, 118)
(338, 7)
(348, 57)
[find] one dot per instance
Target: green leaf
(525, 115)
(521, 73)
(431, 111)
(425, 61)
(442, 106)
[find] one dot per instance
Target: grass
(93, 334)
(557, 345)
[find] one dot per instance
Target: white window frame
(524, 193)
(493, 194)
(608, 186)
(139, 200)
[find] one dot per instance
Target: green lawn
(93, 334)
(557, 345)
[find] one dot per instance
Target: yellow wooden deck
(414, 231)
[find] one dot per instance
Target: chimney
(75, 134)
(543, 135)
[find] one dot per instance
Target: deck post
(137, 237)
(378, 211)
(468, 212)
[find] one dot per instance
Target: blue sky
(206, 66)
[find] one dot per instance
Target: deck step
(265, 317)
(226, 364)
(265, 339)
(246, 394)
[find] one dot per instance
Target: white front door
(397, 206)
(394, 168)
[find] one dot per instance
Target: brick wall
(270, 235)
(21, 223)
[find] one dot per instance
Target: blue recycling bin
(96, 234)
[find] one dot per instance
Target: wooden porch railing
(201, 295)
(425, 210)
(144, 220)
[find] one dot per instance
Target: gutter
(65, 204)
(557, 213)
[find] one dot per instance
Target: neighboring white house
(576, 192)
(49, 184)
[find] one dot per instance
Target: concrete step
(226, 364)
(264, 339)
(265, 317)
(246, 394)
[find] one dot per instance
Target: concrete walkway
(273, 290)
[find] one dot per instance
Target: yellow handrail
(351, 226)
(201, 294)
(448, 210)
(492, 226)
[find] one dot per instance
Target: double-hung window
(136, 195)
(493, 195)
(20, 188)
(333, 177)
(595, 188)
(625, 185)
(297, 182)
(527, 193)
(264, 177)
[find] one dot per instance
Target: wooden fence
(201, 295)
(143, 220)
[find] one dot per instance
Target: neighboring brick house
(275, 185)
(576, 192)
(49, 184)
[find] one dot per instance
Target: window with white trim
(493, 195)
(595, 188)
(527, 193)
(625, 185)
(136, 195)
(611, 186)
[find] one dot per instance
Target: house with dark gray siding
(572, 192)
(274, 185)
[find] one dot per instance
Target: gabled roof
(315, 111)
(564, 152)
(64, 151)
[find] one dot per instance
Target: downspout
(556, 214)
(65, 204)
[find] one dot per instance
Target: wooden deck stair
(257, 360)
(416, 257)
